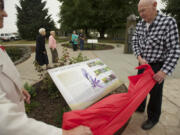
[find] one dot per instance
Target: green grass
(59, 40)
(18, 42)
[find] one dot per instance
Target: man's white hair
(147, 1)
(42, 30)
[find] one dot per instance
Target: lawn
(18, 42)
(24, 42)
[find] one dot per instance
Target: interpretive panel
(84, 83)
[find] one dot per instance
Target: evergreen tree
(32, 15)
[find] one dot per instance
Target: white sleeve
(13, 122)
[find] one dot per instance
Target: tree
(32, 15)
(96, 14)
(173, 9)
(112, 14)
(75, 14)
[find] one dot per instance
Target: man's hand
(159, 76)
(142, 61)
(80, 130)
(27, 96)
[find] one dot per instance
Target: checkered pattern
(160, 43)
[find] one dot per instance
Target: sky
(52, 5)
(10, 21)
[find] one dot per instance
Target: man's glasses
(1, 5)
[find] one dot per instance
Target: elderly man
(155, 42)
(13, 119)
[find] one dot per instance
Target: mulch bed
(92, 47)
(50, 110)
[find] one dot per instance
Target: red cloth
(2, 47)
(111, 113)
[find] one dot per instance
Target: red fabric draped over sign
(111, 113)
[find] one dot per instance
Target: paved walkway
(27, 69)
(123, 65)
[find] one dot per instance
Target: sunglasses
(1, 4)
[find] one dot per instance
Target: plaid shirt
(159, 43)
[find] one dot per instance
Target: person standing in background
(41, 53)
(81, 38)
(52, 46)
(74, 40)
(13, 119)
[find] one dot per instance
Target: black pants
(155, 101)
(74, 47)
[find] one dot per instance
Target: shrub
(15, 53)
(31, 106)
(33, 93)
(88, 46)
(47, 83)
(30, 89)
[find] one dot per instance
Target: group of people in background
(75, 38)
(41, 53)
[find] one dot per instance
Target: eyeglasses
(1, 4)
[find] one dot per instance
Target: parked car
(16, 36)
(5, 37)
(9, 36)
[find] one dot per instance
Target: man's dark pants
(81, 44)
(155, 101)
(74, 47)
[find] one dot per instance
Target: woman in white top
(13, 119)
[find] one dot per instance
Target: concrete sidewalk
(123, 65)
(27, 69)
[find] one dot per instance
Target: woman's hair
(42, 30)
(1, 4)
(51, 32)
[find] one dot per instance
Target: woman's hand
(80, 130)
(27, 96)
